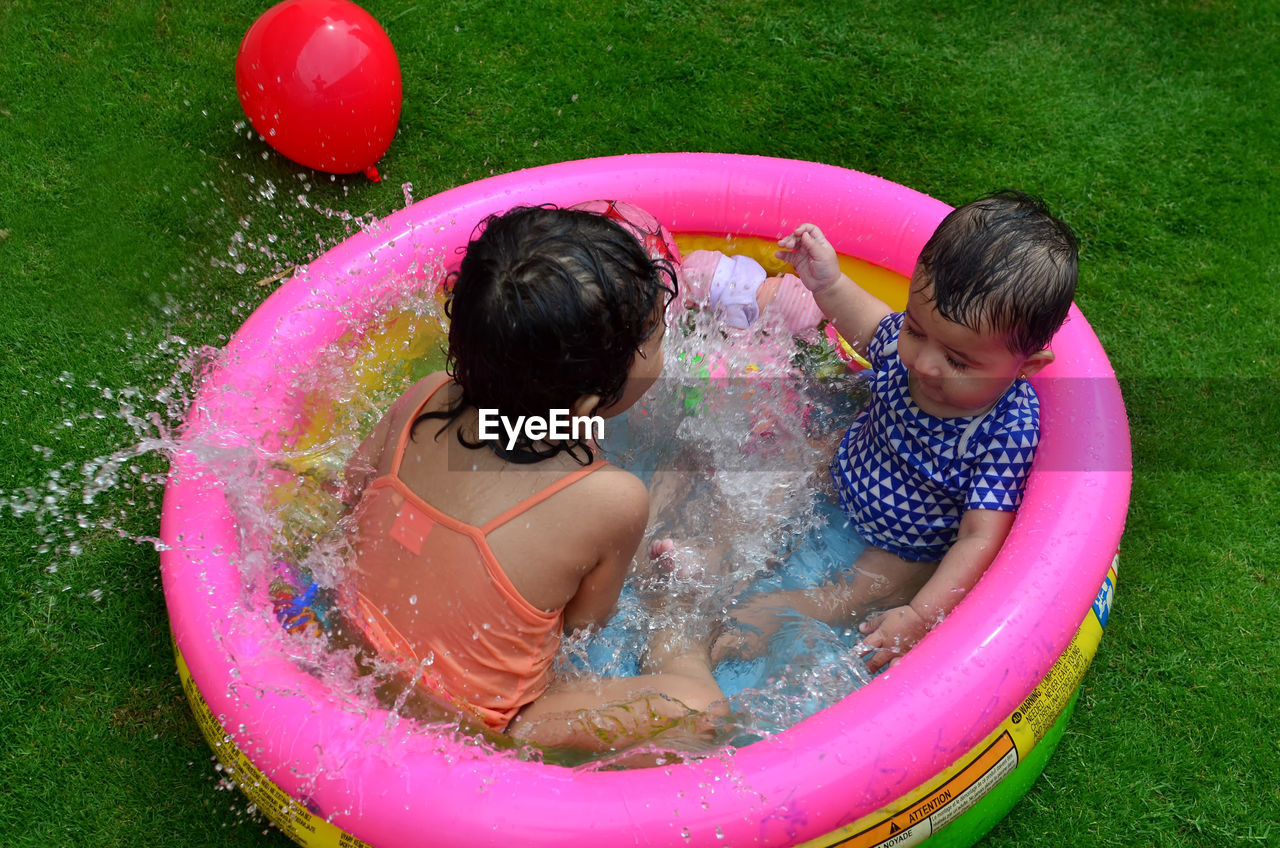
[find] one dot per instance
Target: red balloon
(320, 81)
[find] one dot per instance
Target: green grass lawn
(132, 190)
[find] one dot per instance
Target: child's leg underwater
(877, 581)
(674, 705)
(882, 580)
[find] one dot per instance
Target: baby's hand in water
(813, 257)
(891, 634)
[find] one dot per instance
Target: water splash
(744, 454)
(734, 442)
(752, 465)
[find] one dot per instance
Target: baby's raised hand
(813, 257)
(891, 634)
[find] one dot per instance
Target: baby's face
(954, 371)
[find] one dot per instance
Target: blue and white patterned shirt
(905, 477)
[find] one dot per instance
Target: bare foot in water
(684, 650)
(681, 564)
(686, 564)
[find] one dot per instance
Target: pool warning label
(918, 814)
(944, 804)
(1041, 709)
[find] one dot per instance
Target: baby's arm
(893, 633)
(855, 311)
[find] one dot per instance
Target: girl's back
(467, 562)
(472, 557)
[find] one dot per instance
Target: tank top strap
(403, 441)
(538, 497)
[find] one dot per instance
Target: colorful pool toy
(938, 748)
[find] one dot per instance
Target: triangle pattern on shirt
(905, 477)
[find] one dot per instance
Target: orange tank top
(489, 651)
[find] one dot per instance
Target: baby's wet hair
(1003, 264)
(549, 305)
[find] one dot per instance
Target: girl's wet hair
(547, 306)
(1003, 264)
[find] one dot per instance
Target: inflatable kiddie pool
(944, 743)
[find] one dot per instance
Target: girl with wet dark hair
(474, 553)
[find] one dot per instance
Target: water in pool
(733, 442)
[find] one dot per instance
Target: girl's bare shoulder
(611, 500)
(418, 392)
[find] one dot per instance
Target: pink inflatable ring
(946, 741)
